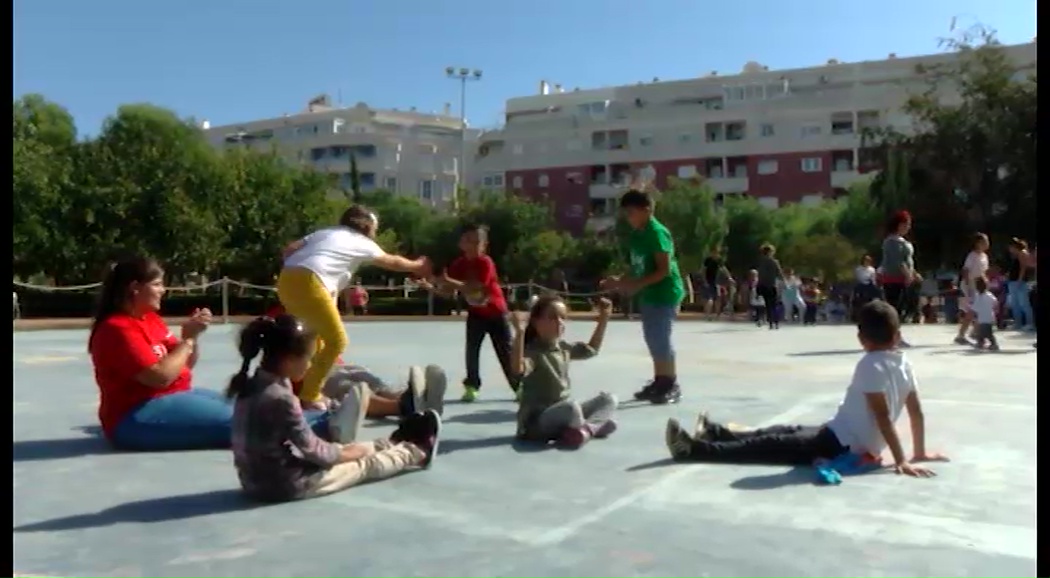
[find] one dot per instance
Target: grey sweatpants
(338, 383)
(572, 414)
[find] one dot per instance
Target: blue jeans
(198, 419)
(657, 323)
(1019, 303)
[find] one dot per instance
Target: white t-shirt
(334, 255)
(756, 299)
(984, 306)
(887, 372)
(976, 265)
(864, 275)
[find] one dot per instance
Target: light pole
(462, 75)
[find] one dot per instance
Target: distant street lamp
(462, 75)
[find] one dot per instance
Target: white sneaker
(345, 422)
(434, 392)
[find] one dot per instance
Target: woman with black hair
(144, 371)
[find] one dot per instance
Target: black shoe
(429, 436)
(665, 394)
(410, 429)
(646, 393)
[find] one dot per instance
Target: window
(497, 181)
(426, 190)
(811, 165)
(574, 178)
(767, 167)
(645, 140)
(426, 149)
(518, 149)
(543, 180)
(368, 180)
(516, 182)
(317, 153)
(767, 129)
(686, 171)
(486, 182)
(811, 130)
(390, 184)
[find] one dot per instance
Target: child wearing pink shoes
(540, 357)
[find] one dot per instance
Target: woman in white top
(318, 267)
(975, 266)
(865, 272)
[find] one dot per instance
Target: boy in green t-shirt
(658, 284)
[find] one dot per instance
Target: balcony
(843, 179)
(728, 184)
(605, 191)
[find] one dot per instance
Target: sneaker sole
(435, 421)
(671, 432)
(417, 385)
(436, 385)
(346, 422)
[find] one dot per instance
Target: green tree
(969, 164)
(355, 180)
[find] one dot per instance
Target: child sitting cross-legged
(541, 358)
(277, 456)
(883, 386)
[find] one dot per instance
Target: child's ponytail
(252, 340)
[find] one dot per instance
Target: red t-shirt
(276, 311)
(122, 347)
(482, 270)
(358, 296)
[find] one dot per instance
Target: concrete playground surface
(487, 508)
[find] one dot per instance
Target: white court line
(460, 521)
(566, 531)
(979, 404)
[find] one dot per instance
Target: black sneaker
(665, 394)
(646, 393)
(409, 430)
(429, 436)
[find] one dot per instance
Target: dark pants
(894, 294)
(793, 445)
(985, 333)
(768, 293)
(498, 330)
(358, 310)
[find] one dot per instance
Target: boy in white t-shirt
(320, 266)
(975, 266)
(883, 386)
(984, 305)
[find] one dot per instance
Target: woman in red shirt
(143, 370)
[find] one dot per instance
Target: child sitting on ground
(541, 357)
(883, 385)
(278, 458)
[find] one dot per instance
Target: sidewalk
(49, 324)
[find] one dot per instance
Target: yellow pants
(303, 295)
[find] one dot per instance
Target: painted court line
(981, 404)
(42, 359)
(860, 525)
(458, 521)
(566, 531)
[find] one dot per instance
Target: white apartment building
(407, 152)
(776, 135)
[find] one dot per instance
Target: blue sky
(237, 60)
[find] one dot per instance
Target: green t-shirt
(643, 245)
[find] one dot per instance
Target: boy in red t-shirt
(473, 275)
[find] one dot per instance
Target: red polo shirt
(481, 270)
(121, 348)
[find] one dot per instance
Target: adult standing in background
(898, 262)
(714, 274)
(1018, 275)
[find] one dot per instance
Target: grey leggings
(572, 414)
